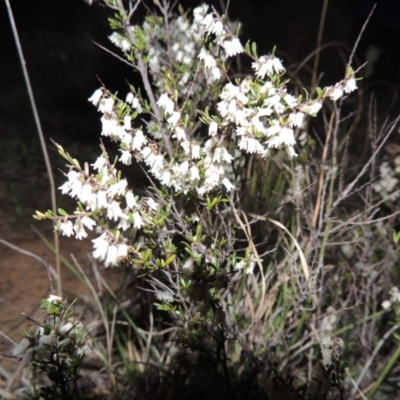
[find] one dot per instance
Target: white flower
(102, 199)
(208, 22)
(296, 119)
(120, 41)
(350, 85)
(126, 157)
(228, 185)
(54, 299)
(138, 140)
(232, 47)
(137, 220)
(386, 304)
(180, 133)
(290, 100)
(80, 232)
(165, 178)
(166, 103)
(100, 245)
(213, 129)
(67, 228)
(99, 163)
(128, 122)
(88, 222)
(112, 256)
(311, 108)
(194, 173)
(129, 98)
(195, 151)
(96, 96)
(114, 210)
(122, 251)
(336, 94)
(86, 194)
(109, 125)
(174, 118)
(106, 105)
(118, 188)
(130, 200)
(199, 12)
(152, 204)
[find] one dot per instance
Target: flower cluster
(387, 184)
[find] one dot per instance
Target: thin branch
(41, 138)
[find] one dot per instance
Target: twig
(41, 138)
(29, 254)
(360, 35)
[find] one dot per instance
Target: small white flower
(137, 220)
(311, 108)
(152, 204)
(122, 251)
(99, 163)
(114, 211)
(386, 304)
(86, 194)
(174, 118)
(80, 232)
(194, 173)
(112, 256)
(126, 157)
(100, 245)
(106, 105)
(228, 184)
(67, 228)
(166, 103)
(130, 200)
(88, 222)
(138, 140)
(118, 188)
(129, 98)
(195, 151)
(96, 96)
(165, 178)
(232, 47)
(54, 299)
(128, 122)
(350, 85)
(213, 129)
(102, 199)
(336, 94)
(297, 119)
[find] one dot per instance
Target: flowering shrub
(194, 127)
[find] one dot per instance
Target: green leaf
(62, 212)
(254, 49)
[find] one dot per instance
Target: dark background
(57, 38)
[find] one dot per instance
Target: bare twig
(41, 138)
